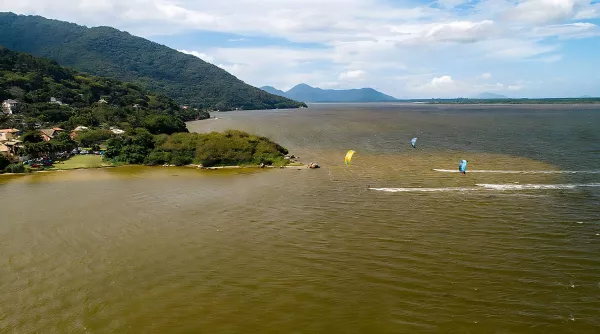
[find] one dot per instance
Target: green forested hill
(80, 98)
(108, 52)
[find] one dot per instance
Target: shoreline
(299, 167)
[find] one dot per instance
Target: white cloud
(379, 37)
(352, 75)
(545, 11)
(447, 87)
(445, 80)
(486, 75)
(514, 87)
(515, 49)
(202, 56)
(590, 12)
(568, 31)
(461, 31)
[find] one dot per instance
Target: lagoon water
(397, 242)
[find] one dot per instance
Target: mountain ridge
(306, 93)
(109, 52)
(487, 95)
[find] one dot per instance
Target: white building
(116, 131)
(54, 100)
(8, 105)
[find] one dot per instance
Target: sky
(407, 49)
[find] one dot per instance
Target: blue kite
(462, 166)
(413, 142)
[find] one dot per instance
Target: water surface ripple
(395, 243)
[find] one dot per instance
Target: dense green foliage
(211, 149)
(34, 81)
(90, 137)
(35, 147)
(15, 168)
(112, 53)
(3, 162)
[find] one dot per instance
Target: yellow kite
(348, 157)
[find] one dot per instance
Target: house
(79, 128)
(54, 100)
(48, 134)
(8, 105)
(4, 150)
(14, 147)
(116, 131)
(8, 134)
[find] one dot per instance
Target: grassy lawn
(82, 161)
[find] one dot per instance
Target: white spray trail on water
(492, 187)
(521, 171)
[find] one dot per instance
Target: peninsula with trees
(49, 111)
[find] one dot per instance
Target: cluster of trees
(84, 100)
(112, 53)
(231, 147)
(7, 167)
(34, 145)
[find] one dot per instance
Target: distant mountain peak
(488, 95)
(306, 93)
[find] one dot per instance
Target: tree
(3, 162)
(158, 124)
(35, 150)
(93, 136)
(4, 118)
(63, 142)
(32, 136)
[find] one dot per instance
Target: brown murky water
(397, 242)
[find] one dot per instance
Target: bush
(158, 124)
(158, 158)
(3, 162)
(182, 158)
(32, 136)
(89, 137)
(15, 168)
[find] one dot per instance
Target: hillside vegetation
(108, 52)
(49, 95)
(81, 99)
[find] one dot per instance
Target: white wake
(520, 171)
(492, 187)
